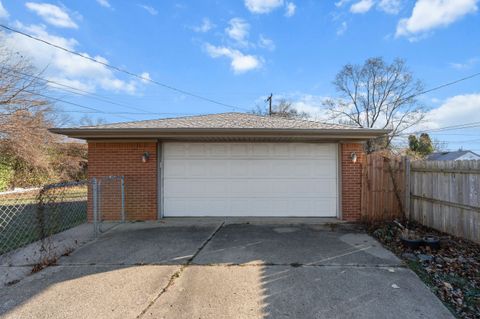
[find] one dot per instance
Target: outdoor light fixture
(145, 157)
(354, 157)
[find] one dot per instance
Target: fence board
(445, 196)
(383, 191)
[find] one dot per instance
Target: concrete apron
(213, 269)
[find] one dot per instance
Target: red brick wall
(115, 159)
(125, 159)
(351, 181)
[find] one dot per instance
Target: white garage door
(250, 179)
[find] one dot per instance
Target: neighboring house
(453, 156)
(231, 164)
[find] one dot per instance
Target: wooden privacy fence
(445, 196)
(383, 188)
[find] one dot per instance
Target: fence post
(122, 186)
(95, 206)
(406, 163)
(41, 214)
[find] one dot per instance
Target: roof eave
(93, 133)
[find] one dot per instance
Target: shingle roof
(224, 125)
(448, 156)
(224, 121)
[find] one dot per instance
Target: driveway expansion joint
(177, 274)
(298, 265)
(190, 260)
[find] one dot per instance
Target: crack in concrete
(180, 270)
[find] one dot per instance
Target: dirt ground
(452, 272)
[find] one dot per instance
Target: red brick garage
(230, 164)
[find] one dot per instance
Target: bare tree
(24, 118)
(283, 108)
(27, 147)
(377, 95)
(89, 121)
(23, 113)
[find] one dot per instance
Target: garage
(229, 165)
(250, 179)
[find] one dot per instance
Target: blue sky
(237, 52)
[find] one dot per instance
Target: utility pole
(269, 99)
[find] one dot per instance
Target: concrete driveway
(213, 269)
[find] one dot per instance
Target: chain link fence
(29, 216)
(36, 214)
(108, 202)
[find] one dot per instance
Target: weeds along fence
(36, 214)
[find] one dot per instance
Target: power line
(147, 79)
(93, 95)
(450, 83)
(110, 113)
(92, 110)
(455, 127)
(446, 128)
(73, 103)
(463, 141)
(118, 69)
(456, 134)
(439, 87)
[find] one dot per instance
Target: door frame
(160, 185)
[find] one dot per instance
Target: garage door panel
(242, 207)
(176, 169)
(325, 169)
(253, 188)
(196, 188)
(251, 168)
(250, 179)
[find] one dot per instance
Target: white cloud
(104, 3)
(263, 6)
(341, 3)
(290, 9)
(390, 6)
(465, 65)
(3, 12)
(266, 43)
(146, 77)
(206, 26)
(78, 84)
(149, 9)
(342, 28)
(312, 105)
(361, 6)
(238, 30)
(240, 63)
(52, 14)
(430, 14)
(458, 109)
(63, 66)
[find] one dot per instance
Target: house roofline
(177, 133)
